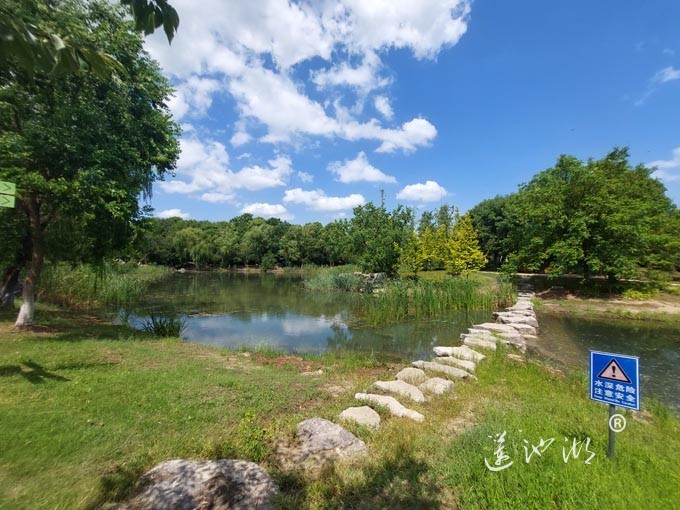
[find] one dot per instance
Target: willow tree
(81, 148)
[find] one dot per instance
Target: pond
(568, 340)
(235, 310)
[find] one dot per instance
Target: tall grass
(403, 299)
(87, 286)
(165, 325)
(334, 278)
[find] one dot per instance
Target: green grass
(86, 407)
(87, 286)
(402, 299)
(340, 278)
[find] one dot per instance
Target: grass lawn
(86, 407)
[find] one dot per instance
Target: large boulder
(216, 484)
(319, 443)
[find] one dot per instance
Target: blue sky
(304, 110)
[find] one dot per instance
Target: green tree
(35, 45)
(493, 225)
(82, 149)
(596, 217)
(411, 254)
(463, 254)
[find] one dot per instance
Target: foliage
(40, 47)
(337, 278)
(463, 255)
(377, 235)
(411, 255)
(164, 325)
(88, 286)
(81, 148)
(493, 227)
(598, 217)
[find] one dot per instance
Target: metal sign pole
(612, 434)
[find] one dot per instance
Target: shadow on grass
(31, 371)
(398, 482)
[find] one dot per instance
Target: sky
(304, 110)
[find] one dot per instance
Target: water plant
(165, 325)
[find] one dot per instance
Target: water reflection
(235, 310)
(568, 340)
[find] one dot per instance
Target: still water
(568, 340)
(237, 310)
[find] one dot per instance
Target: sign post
(7, 192)
(615, 380)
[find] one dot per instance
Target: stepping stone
(517, 313)
(363, 415)
(461, 352)
(512, 318)
(473, 341)
(443, 369)
(493, 327)
(392, 404)
(411, 375)
(523, 329)
(437, 385)
(456, 362)
(401, 388)
(521, 305)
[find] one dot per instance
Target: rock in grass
(400, 388)
(322, 438)
(437, 385)
(443, 369)
(411, 375)
(363, 415)
(453, 361)
(216, 484)
(391, 404)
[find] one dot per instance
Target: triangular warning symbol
(614, 372)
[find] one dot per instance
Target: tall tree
(463, 255)
(596, 217)
(82, 148)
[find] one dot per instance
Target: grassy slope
(86, 407)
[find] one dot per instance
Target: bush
(165, 326)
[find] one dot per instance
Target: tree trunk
(9, 285)
(27, 310)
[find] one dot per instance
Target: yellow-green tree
(463, 255)
(411, 255)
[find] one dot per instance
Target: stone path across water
(427, 379)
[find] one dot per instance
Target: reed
(87, 286)
(165, 326)
(401, 299)
(340, 278)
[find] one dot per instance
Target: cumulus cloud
(358, 169)
(382, 104)
(248, 50)
(305, 177)
(205, 164)
(319, 201)
(266, 210)
(172, 213)
(430, 191)
(663, 167)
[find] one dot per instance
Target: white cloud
(665, 75)
(305, 177)
(663, 167)
(206, 164)
(172, 213)
(364, 78)
(358, 169)
(660, 77)
(193, 96)
(240, 138)
(319, 201)
(222, 48)
(217, 197)
(382, 104)
(268, 210)
(430, 191)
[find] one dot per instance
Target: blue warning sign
(615, 379)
